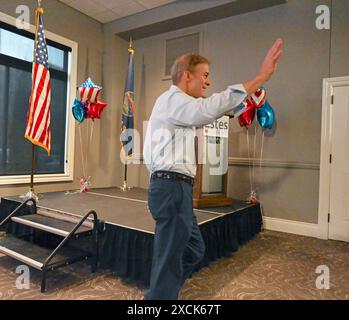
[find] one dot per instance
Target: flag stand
(31, 193)
(125, 187)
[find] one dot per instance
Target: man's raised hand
(270, 61)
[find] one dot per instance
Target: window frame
(68, 174)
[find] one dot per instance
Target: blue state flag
(128, 108)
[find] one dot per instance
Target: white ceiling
(109, 10)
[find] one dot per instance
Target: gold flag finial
(130, 49)
(39, 9)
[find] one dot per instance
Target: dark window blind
(16, 56)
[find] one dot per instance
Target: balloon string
(249, 158)
(87, 147)
(82, 152)
(260, 160)
(90, 134)
(262, 146)
(92, 126)
(254, 157)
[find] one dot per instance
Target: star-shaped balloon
(88, 91)
(95, 110)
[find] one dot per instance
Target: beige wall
(340, 39)
(88, 33)
(114, 72)
(236, 47)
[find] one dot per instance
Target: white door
(339, 185)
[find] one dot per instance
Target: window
(16, 58)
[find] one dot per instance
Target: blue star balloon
(79, 111)
(266, 116)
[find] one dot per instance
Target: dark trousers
(178, 244)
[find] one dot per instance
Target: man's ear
(187, 75)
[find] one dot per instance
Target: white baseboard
(290, 226)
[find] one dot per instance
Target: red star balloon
(95, 110)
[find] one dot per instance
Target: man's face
(198, 81)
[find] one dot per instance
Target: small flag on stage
(128, 108)
(39, 113)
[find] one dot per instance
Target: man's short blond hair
(186, 62)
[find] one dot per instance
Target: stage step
(50, 224)
(54, 222)
(64, 216)
(35, 256)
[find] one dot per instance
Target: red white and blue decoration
(258, 106)
(86, 105)
(88, 91)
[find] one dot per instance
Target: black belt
(170, 175)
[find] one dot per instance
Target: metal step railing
(88, 224)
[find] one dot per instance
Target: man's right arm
(183, 110)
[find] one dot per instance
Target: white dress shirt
(169, 143)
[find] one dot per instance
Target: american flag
(39, 114)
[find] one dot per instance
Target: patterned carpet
(273, 266)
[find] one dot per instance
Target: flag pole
(125, 187)
(32, 170)
(31, 193)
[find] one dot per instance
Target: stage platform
(126, 245)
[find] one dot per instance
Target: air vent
(178, 46)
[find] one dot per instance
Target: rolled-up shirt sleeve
(184, 110)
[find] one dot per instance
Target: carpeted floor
(273, 266)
